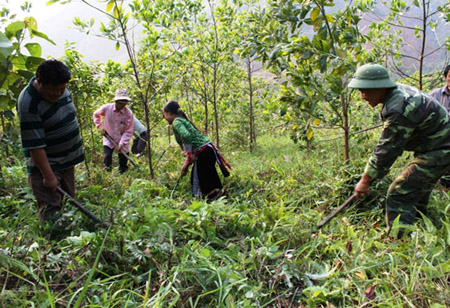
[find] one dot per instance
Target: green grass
(257, 248)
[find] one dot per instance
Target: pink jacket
(118, 124)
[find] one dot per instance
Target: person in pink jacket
(116, 128)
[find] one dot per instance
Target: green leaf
(31, 24)
(42, 35)
(309, 134)
(205, 252)
(329, 18)
(437, 305)
(109, 6)
(26, 74)
(6, 46)
(8, 261)
(13, 27)
(315, 13)
(117, 46)
(19, 61)
(11, 79)
(33, 62)
(34, 49)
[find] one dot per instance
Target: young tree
(211, 56)
(151, 64)
(314, 51)
(19, 58)
(411, 36)
(86, 91)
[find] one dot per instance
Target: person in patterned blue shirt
(50, 135)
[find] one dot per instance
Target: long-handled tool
(81, 208)
(122, 151)
(337, 211)
(176, 184)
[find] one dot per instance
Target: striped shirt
(443, 96)
(49, 126)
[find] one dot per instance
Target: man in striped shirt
(50, 135)
(443, 96)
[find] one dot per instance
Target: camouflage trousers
(410, 191)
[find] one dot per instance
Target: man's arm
(41, 161)
(97, 116)
(396, 132)
(362, 188)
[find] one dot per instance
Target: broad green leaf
(109, 6)
(205, 252)
(33, 62)
(6, 47)
(315, 13)
(5, 102)
(26, 74)
(196, 205)
(329, 18)
(19, 61)
(31, 24)
(11, 79)
(117, 46)
(309, 134)
(13, 27)
(34, 49)
(42, 35)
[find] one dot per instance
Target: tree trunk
(80, 125)
(3, 133)
(205, 98)
(346, 129)
(149, 147)
(144, 101)
(216, 113)
(251, 116)
(424, 38)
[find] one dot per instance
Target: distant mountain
(57, 23)
(435, 58)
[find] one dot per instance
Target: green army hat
(371, 76)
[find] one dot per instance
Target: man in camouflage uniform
(414, 122)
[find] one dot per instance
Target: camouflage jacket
(412, 121)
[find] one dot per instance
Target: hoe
(81, 208)
(337, 211)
